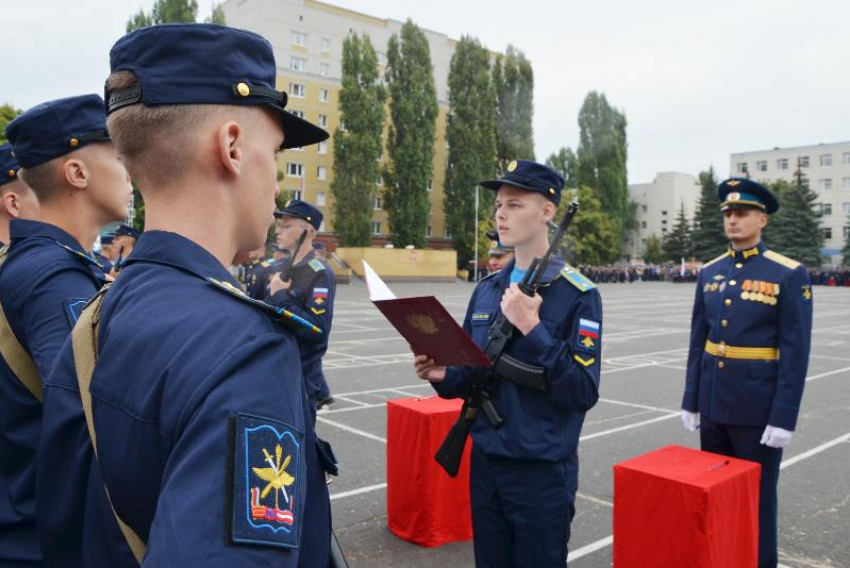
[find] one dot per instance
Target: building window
(643, 208)
(826, 209)
(376, 227)
(320, 199)
(325, 69)
(845, 158)
(826, 160)
(827, 232)
(664, 213)
(741, 168)
(846, 207)
(378, 204)
(323, 95)
(845, 183)
(297, 64)
(447, 233)
(295, 193)
(299, 39)
(295, 170)
(643, 224)
(323, 120)
(825, 184)
(663, 229)
(326, 45)
(846, 232)
(804, 161)
(323, 147)
(322, 173)
(782, 163)
(297, 90)
(298, 113)
(428, 231)
(761, 166)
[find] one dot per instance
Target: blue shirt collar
(551, 273)
(171, 249)
(24, 228)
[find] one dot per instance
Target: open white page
(378, 289)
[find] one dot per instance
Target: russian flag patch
(588, 335)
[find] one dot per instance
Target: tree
(565, 163)
(677, 243)
(795, 229)
(513, 79)
(602, 154)
(358, 147)
(845, 260)
(471, 135)
(410, 144)
(8, 113)
(593, 237)
(654, 251)
(217, 16)
(173, 11)
(708, 239)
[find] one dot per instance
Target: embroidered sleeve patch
(588, 335)
(74, 308)
(320, 296)
(481, 318)
(268, 491)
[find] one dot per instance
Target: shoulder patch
(268, 482)
(74, 308)
(781, 259)
(280, 313)
(577, 279)
(316, 265)
(588, 335)
(719, 258)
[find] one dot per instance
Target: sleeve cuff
(690, 401)
(782, 416)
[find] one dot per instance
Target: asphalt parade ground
(646, 328)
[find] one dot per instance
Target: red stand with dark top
(679, 507)
(424, 505)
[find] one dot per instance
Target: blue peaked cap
(301, 210)
(737, 193)
(531, 176)
(8, 164)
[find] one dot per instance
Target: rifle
(500, 332)
(289, 263)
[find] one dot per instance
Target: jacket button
(733, 282)
(739, 265)
(724, 323)
(728, 301)
(720, 364)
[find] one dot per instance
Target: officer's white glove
(774, 437)
(690, 420)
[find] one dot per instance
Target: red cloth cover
(682, 507)
(424, 505)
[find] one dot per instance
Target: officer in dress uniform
(202, 382)
(17, 201)
(45, 279)
(310, 292)
(524, 475)
(499, 255)
(752, 305)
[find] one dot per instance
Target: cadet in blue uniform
(202, 383)
(124, 240)
(310, 293)
(47, 275)
(104, 255)
(17, 201)
(751, 305)
(524, 475)
(259, 275)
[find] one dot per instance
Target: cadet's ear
(9, 204)
(230, 140)
(763, 220)
(76, 173)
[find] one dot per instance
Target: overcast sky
(697, 80)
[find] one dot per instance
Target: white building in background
(826, 166)
(658, 205)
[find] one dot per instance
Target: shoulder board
(264, 264)
(82, 256)
(719, 258)
(780, 259)
(316, 265)
(577, 279)
(281, 313)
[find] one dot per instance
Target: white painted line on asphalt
(350, 429)
(593, 499)
(360, 491)
(636, 405)
(627, 427)
(590, 548)
(827, 374)
(352, 401)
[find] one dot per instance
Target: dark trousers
(521, 511)
(743, 442)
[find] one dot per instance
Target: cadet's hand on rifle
(521, 310)
(427, 370)
(276, 284)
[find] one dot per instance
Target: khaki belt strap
(748, 353)
(19, 361)
(84, 343)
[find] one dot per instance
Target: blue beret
(126, 230)
(8, 165)
(56, 128)
(531, 176)
(204, 64)
(301, 210)
(738, 193)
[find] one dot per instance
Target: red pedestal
(679, 507)
(424, 505)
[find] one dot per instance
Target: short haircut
(42, 179)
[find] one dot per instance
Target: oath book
(426, 325)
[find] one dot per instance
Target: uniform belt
(750, 353)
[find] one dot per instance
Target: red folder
(431, 330)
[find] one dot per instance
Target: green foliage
(708, 239)
(169, 12)
(138, 209)
(654, 251)
(564, 162)
(602, 154)
(795, 229)
(471, 135)
(357, 149)
(845, 261)
(410, 144)
(8, 113)
(513, 80)
(593, 238)
(217, 16)
(677, 243)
